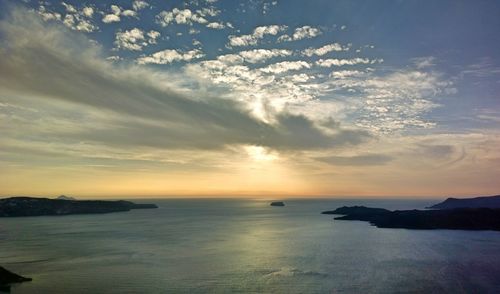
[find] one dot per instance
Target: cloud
(230, 59)
(135, 39)
(285, 66)
(179, 16)
(436, 151)
(135, 106)
(153, 35)
(196, 43)
(139, 4)
(264, 90)
(47, 15)
(77, 20)
(114, 58)
(116, 12)
(169, 56)
(114, 16)
(488, 116)
(384, 102)
(88, 11)
(393, 101)
(342, 74)
(129, 13)
(216, 25)
(324, 49)
(305, 32)
(424, 62)
(208, 11)
(486, 67)
(260, 55)
(358, 160)
(109, 18)
(69, 8)
(340, 62)
(258, 34)
(267, 6)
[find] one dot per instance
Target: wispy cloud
(357, 160)
(424, 62)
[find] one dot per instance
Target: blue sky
(335, 87)
(456, 35)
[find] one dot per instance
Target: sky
(260, 98)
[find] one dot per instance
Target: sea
(245, 246)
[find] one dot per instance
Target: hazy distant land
(31, 206)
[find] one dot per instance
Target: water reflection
(199, 246)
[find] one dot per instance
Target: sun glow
(259, 153)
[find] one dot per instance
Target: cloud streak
(359, 160)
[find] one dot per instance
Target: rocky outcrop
(8, 277)
(277, 203)
(31, 206)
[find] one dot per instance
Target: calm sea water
(226, 246)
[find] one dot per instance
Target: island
(8, 277)
(454, 219)
(476, 202)
(64, 197)
(33, 206)
(277, 203)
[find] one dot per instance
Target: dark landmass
(30, 206)
(454, 219)
(477, 202)
(8, 277)
(277, 203)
